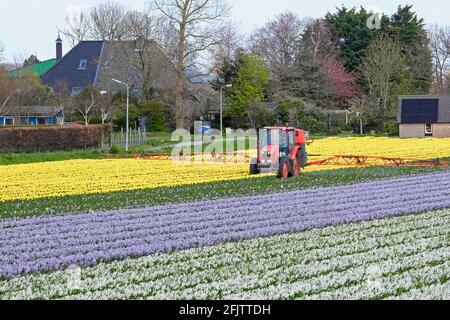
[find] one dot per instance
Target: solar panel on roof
(424, 110)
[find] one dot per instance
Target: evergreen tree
(410, 32)
(228, 70)
(31, 60)
(350, 30)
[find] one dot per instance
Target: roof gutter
(99, 63)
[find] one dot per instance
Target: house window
(428, 130)
(76, 91)
(83, 64)
(9, 121)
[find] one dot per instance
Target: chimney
(58, 48)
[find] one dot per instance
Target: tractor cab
(281, 150)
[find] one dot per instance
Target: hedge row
(54, 138)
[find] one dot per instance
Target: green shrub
(114, 150)
(156, 113)
(120, 116)
(334, 131)
(289, 111)
(313, 123)
(391, 127)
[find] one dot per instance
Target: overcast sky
(30, 26)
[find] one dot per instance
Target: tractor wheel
(302, 156)
(285, 169)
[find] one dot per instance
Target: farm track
(396, 258)
(52, 243)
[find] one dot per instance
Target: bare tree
(141, 62)
(381, 66)
(317, 42)
(167, 36)
(143, 53)
(439, 42)
(28, 91)
(85, 104)
(64, 99)
(18, 60)
(2, 49)
(230, 41)
(105, 106)
(198, 24)
(278, 42)
(6, 90)
(77, 28)
(16, 93)
(108, 21)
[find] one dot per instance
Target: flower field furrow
(117, 242)
(424, 273)
(218, 289)
(260, 278)
(335, 277)
(338, 259)
(438, 291)
(392, 259)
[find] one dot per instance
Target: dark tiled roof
(424, 109)
(38, 111)
(67, 69)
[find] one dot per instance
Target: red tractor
(281, 150)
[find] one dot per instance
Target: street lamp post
(221, 105)
(128, 108)
(359, 115)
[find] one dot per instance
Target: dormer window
(108, 63)
(83, 64)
